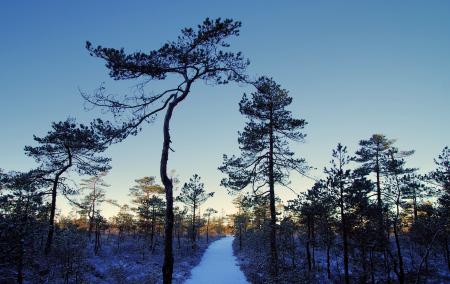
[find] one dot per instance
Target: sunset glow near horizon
(386, 64)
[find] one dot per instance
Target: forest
(371, 218)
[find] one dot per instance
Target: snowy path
(218, 265)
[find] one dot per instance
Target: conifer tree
(146, 194)
(67, 146)
(265, 158)
(198, 54)
(339, 178)
(414, 191)
(193, 195)
(371, 155)
(397, 182)
(96, 187)
(207, 215)
(21, 204)
(439, 178)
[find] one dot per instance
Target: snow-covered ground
(218, 265)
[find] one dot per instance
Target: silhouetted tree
(21, 210)
(326, 220)
(265, 155)
(362, 222)
(193, 195)
(67, 145)
(100, 224)
(371, 154)
(207, 215)
(152, 209)
(197, 55)
(241, 218)
(397, 182)
(179, 223)
(145, 194)
(414, 190)
(94, 198)
(439, 178)
(123, 222)
(339, 179)
(306, 206)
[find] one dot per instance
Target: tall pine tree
(339, 178)
(68, 146)
(193, 195)
(198, 54)
(266, 158)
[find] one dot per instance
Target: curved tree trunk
(167, 268)
(51, 227)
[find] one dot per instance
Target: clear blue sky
(354, 68)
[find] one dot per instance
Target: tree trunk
(383, 234)
(401, 273)
(363, 264)
(97, 239)
(91, 218)
(308, 252)
(344, 227)
(425, 257)
(20, 261)
(379, 201)
(240, 236)
(51, 227)
(178, 238)
(415, 206)
(328, 261)
(194, 234)
(447, 252)
(313, 238)
(345, 241)
(152, 232)
(293, 249)
(372, 266)
(167, 268)
(168, 186)
(377, 171)
(273, 215)
(207, 231)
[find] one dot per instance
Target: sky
(353, 68)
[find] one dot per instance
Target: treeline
(359, 219)
(371, 219)
(85, 239)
